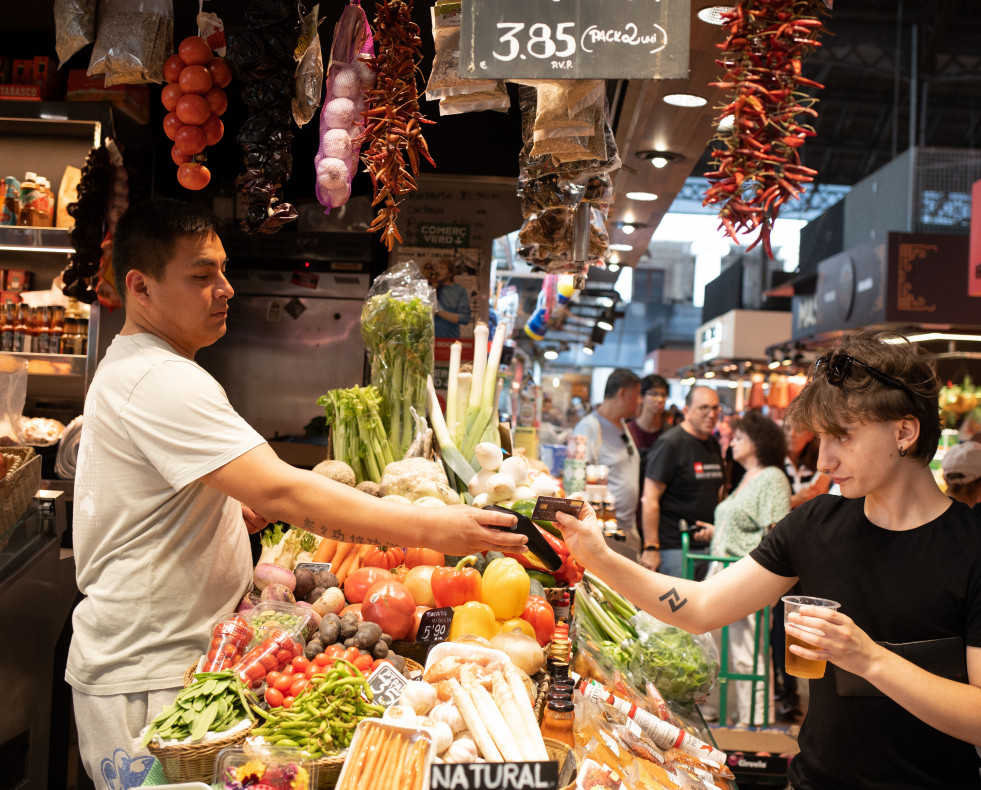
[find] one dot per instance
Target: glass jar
(557, 721)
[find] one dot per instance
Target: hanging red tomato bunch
(194, 97)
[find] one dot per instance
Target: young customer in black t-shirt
(899, 706)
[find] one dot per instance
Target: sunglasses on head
(837, 367)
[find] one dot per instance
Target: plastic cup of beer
(798, 666)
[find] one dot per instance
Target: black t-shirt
(692, 472)
(918, 584)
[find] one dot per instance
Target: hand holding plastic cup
(798, 666)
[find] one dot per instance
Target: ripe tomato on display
(352, 654)
(417, 556)
(192, 109)
(274, 697)
(217, 100)
(196, 79)
(173, 67)
(190, 140)
(322, 660)
(300, 664)
(363, 663)
(288, 702)
(172, 125)
(298, 685)
(283, 683)
(221, 72)
(390, 604)
(272, 677)
(193, 176)
(170, 95)
(194, 51)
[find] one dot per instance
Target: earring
(903, 451)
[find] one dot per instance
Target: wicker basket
(417, 651)
(559, 751)
(193, 762)
(18, 487)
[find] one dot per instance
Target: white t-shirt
(607, 444)
(159, 555)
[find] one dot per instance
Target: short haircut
(147, 232)
(767, 437)
(829, 408)
(653, 381)
(620, 378)
(691, 393)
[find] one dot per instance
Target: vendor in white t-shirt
(160, 537)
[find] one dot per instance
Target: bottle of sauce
(45, 204)
(22, 332)
(42, 330)
(82, 337)
(28, 200)
(67, 345)
(57, 330)
(7, 327)
(557, 721)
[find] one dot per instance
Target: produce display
(758, 165)
(214, 702)
(194, 98)
(387, 756)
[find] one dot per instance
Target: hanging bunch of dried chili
(758, 164)
(393, 121)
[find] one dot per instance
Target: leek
(475, 429)
(463, 399)
(452, 458)
(480, 334)
(452, 382)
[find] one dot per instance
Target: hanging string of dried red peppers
(393, 121)
(758, 164)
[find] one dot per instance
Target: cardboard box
(22, 92)
(23, 72)
(9, 296)
(44, 71)
(17, 280)
(757, 757)
(6, 65)
(134, 100)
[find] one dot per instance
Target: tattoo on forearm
(309, 525)
(339, 534)
(675, 601)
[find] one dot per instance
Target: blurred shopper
(742, 519)
(801, 465)
(648, 425)
(610, 444)
(683, 481)
(962, 473)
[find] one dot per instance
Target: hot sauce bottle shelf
(42, 330)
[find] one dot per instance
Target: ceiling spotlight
(605, 325)
(587, 349)
(613, 267)
(685, 100)
(551, 354)
(621, 247)
(713, 15)
(627, 228)
(710, 374)
(641, 196)
(660, 158)
(556, 382)
(774, 364)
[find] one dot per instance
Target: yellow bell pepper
(473, 617)
(507, 626)
(505, 587)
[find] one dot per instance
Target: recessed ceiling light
(713, 15)
(613, 267)
(551, 354)
(659, 158)
(627, 228)
(621, 247)
(556, 382)
(685, 100)
(642, 196)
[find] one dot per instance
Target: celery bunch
(359, 436)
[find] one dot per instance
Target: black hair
(767, 437)
(620, 378)
(146, 234)
(653, 381)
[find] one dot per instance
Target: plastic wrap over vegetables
(397, 329)
(348, 76)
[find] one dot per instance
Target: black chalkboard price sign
(434, 625)
(574, 39)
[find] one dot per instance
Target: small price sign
(312, 566)
(434, 625)
(386, 684)
(574, 39)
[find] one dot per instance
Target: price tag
(574, 39)
(434, 625)
(493, 776)
(386, 684)
(312, 566)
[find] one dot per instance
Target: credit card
(547, 506)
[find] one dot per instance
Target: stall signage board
(434, 625)
(574, 39)
(386, 685)
(493, 776)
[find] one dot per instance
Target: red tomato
(194, 51)
(272, 677)
(415, 557)
(300, 663)
(212, 655)
(287, 702)
(356, 585)
(214, 129)
(390, 604)
(274, 697)
(285, 657)
(363, 663)
(539, 614)
(312, 671)
(378, 662)
(386, 557)
(170, 95)
(399, 572)
(322, 660)
(334, 651)
(217, 100)
(190, 140)
(178, 157)
(192, 109)
(352, 607)
(269, 662)
(195, 79)
(352, 654)
(283, 683)
(172, 125)
(221, 72)
(287, 670)
(255, 671)
(173, 67)
(193, 176)
(416, 619)
(298, 685)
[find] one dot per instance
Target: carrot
(340, 553)
(325, 550)
(348, 564)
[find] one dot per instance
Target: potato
(314, 595)
(313, 649)
(367, 635)
(326, 579)
(305, 583)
